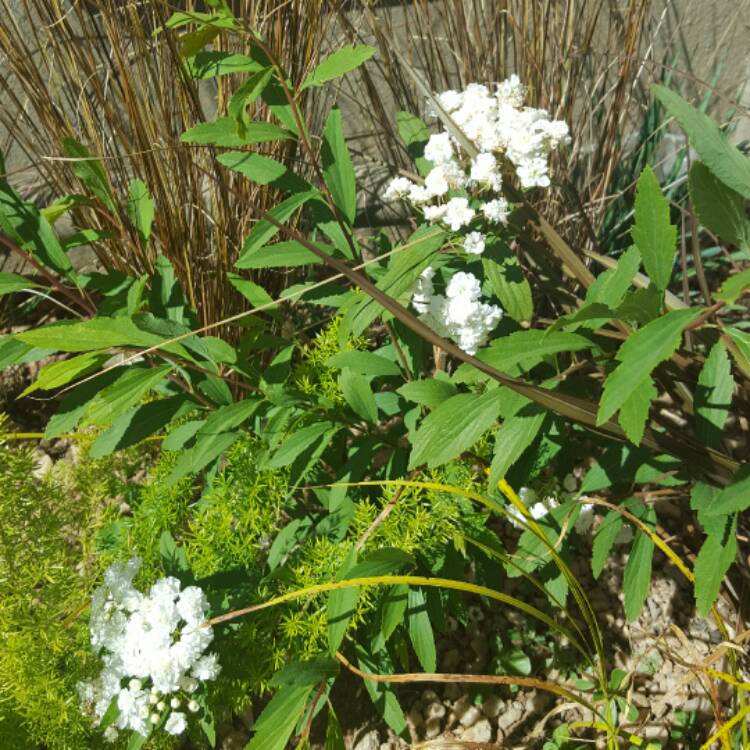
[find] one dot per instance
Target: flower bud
(193, 706)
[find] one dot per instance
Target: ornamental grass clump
(153, 653)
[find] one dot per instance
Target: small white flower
(439, 148)
(154, 719)
(434, 213)
(193, 706)
(457, 213)
(419, 194)
(474, 243)
(176, 723)
(206, 668)
(160, 706)
(496, 211)
(398, 189)
(110, 734)
(175, 703)
(135, 684)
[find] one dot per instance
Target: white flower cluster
(459, 314)
(154, 643)
(499, 126)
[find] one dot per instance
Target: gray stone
(371, 741)
(480, 732)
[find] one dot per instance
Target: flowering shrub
(495, 382)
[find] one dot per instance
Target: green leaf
(341, 605)
(334, 736)
(61, 206)
(211, 64)
(90, 172)
(86, 335)
(263, 170)
(297, 443)
(713, 396)
(61, 373)
(712, 563)
(637, 575)
(634, 411)
(454, 427)
(22, 222)
(338, 64)
(510, 286)
(382, 695)
(338, 170)
(285, 254)
(254, 293)
(137, 424)
(639, 355)
(223, 132)
(528, 348)
(136, 741)
(277, 721)
(428, 392)
(140, 209)
(181, 434)
(263, 231)
(12, 351)
(719, 208)
(734, 287)
(365, 363)
(132, 385)
(415, 134)
(604, 541)
(206, 449)
(229, 417)
(247, 93)
(358, 394)
(734, 498)
(85, 237)
(420, 630)
(515, 435)
(393, 609)
(609, 287)
(193, 42)
(653, 234)
(513, 661)
(379, 563)
(310, 672)
(741, 354)
(11, 282)
(398, 280)
(725, 160)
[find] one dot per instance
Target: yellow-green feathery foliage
(48, 524)
(313, 376)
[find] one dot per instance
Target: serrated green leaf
(654, 235)
(634, 411)
(420, 630)
(136, 425)
(604, 541)
(365, 363)
(415, 134)
(61, 373)
(454, 427)
(223, 132)
(338, 64)
(297, 443)
(132, 386)
(393, 609)
(725, 160)
(358, 395)
(514, 436)
(181, 435)
(12, 282)
(734, 287)
(720, 209)
(210, 64)
(712, 563)
(639, 355)
(637, 575)
(609, 287)
(428, 392)
(734, 498)
(510, 286)
(341, 605)
(277, 721)
(287, 254)
(254, 293)
(337, 166)
(713, 396)
(263, 170)
(206, 449)
(264, 230)
(140, 209)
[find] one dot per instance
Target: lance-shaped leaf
(712, 563)
(12, 282)
(713, 396)
(90, 172)
(140, 209)
(639, 355)
(210, 64)
(726, 161)
(338, 64)
(653, 233)
(57, 374)
(634, 412)
(338, 170)
(637, 575)
(223, 132)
